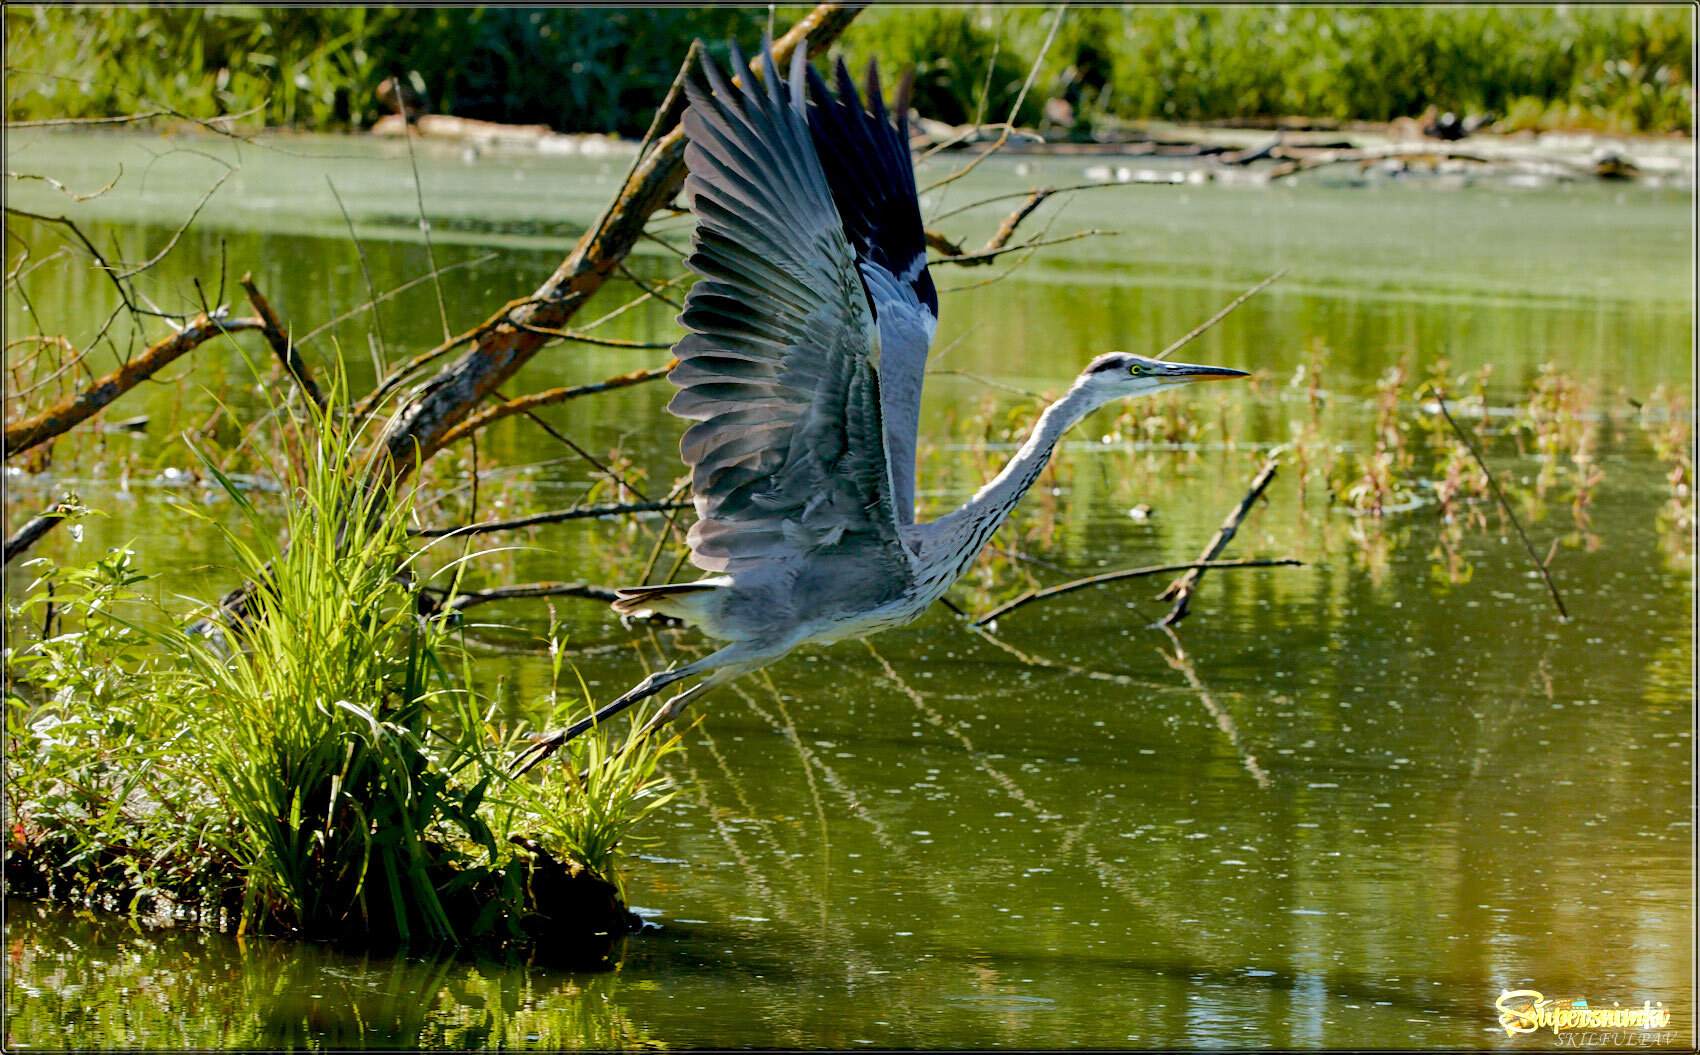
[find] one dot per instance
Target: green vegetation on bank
(1612, 68)
(325, 771)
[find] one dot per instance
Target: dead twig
(287, 353)
(1016, 194)
(560, 516)
(1194, 333)
(1009, 125)
(20, 436)
(171, 243)
(527, 404)
(1540, 565)
(1181, 589)
(602, 342)
(986, 256)
(1131, 573)
(74, 196)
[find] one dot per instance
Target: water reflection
(88, 982)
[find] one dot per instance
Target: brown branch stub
(1181, 589)
(527, 404)
(937, 240)
(1013, 220)
(278, 338)
(557, 517)
(1131, 573)
(21, 435)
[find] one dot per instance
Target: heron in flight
(802, 370)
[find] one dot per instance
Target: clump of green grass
(322, 770)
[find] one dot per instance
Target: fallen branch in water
(1540, 565)
(276, 336)
(1181, 589)
(560, 516)
(37, 526)
(527, 404)
(1131, 573)
(21, 435)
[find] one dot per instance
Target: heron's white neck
(958, 536)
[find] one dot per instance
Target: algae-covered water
(1348, 804)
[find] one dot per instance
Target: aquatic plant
(320, 770)
(1667, 419)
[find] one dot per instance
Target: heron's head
(1123, 375)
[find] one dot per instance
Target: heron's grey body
(810, 327)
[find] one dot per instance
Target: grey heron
(808, 335)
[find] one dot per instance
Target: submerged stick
(1540, 565)
(1132, 573)
(1181, 589)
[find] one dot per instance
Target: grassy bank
(1621, 69)
(330, 771)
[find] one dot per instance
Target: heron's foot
(674, 707)
(541, 747)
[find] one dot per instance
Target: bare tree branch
(288, 354)
(1009, 125)
(462, 601)
(1193, 334)
(1181, 589)
(20, 436)
(986, 256)
(1540, 565)
(527, 404)
(560, 516)
(1117, 576)
(74, 196)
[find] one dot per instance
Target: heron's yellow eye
(1136, 369)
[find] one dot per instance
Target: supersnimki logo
(1526, 1010)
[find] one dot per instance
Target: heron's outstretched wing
(864, 153)
(788, 453)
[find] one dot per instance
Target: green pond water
(1349, 804)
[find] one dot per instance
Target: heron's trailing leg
(547, 744)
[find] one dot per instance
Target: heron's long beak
(1186, 373)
